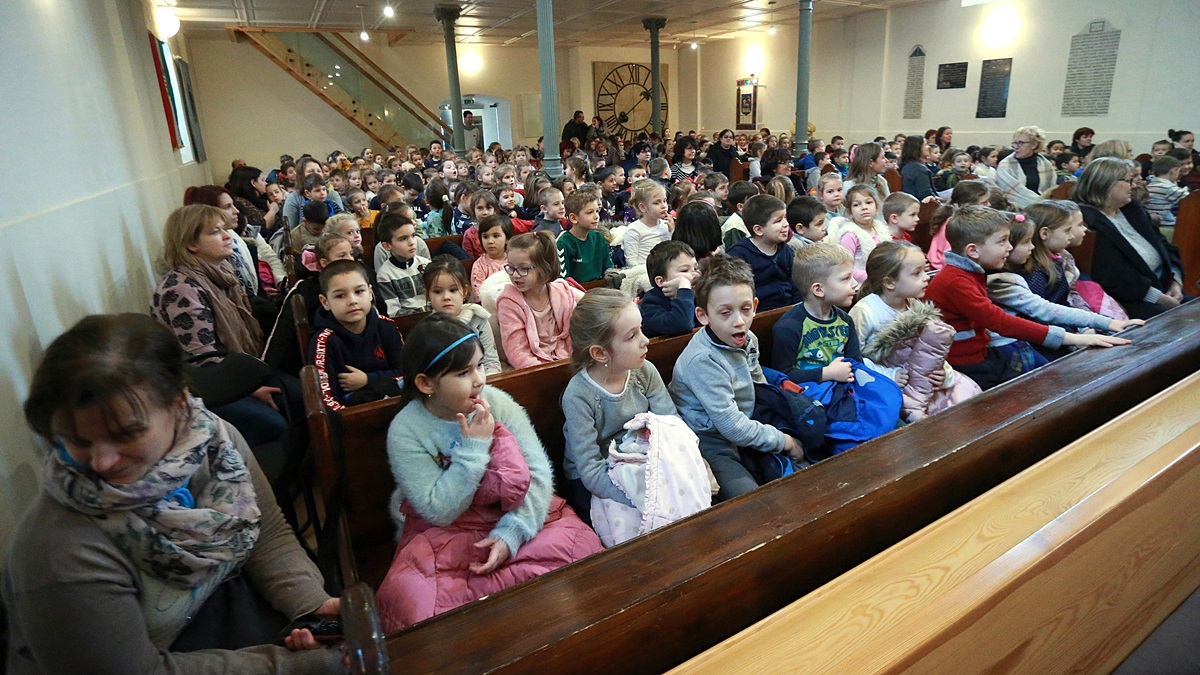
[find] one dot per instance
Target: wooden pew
(1064, 568)
(406, 322)
(738, 170)
(894, 180)
(1143, 158)
(368, 244)
(1083, 252)
(1187, 238)
(303, 330)
(436, 242)
(1063, 190)
(923, 235)
(719, 571)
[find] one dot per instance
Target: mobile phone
(324, 630)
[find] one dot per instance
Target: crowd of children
(873, 332)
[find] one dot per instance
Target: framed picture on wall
(189, 108)
(747, 104)
(159, 56)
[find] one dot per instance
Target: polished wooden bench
(349, 445)
(1083, 252)
(303, 330)
(894, 180)
(1187, 238)
(1063, 190)
(923, 234)
(1066, 567)
(658, 600)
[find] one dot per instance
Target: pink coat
(429, 573)
(518, 327)
(919, 341)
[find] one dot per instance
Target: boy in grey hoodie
(713, 381)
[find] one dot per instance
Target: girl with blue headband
(474, 500)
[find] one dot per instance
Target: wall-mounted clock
(624, 99)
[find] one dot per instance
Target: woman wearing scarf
(200, 300)
(156, 544)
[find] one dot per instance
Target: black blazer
(1117, 267)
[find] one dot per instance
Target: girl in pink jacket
(534, 312)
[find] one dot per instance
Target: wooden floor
(1064, 568)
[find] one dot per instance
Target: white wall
(859, 67)
(80, 93)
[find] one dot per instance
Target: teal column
(551, 131)
(447, 15)
(803, 61)
(655, 24)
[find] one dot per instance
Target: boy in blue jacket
(814, 338)
(766, 251)
(713, 381)
(356, 352)
(669, 307)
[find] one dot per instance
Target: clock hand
(635, 105)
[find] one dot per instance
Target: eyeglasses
(1132, 180)
(1017, 144)
(521, 271)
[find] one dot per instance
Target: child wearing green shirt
(582, 250)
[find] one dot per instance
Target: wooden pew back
(894, 180)
(1187, 238)
(717, 572)
(1083, 252)
(303, 330)
(1063, 190)
(738, 170)
(923, 235)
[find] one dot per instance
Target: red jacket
(962, 297)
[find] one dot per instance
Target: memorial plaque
(993, 88)
(914, 94)
(952, 76)
(1090, 69)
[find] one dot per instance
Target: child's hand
(272, 207)
(482, 425)
(937, 378)
(1176, 291)
(496, 556)
(671, 288)
(930, 198)
(1167, 301)
(1118, 326)
(838, 371)
(1073, 340)
(352, 380)
(793, 448)
(902, 377)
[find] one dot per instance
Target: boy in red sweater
(978, 238)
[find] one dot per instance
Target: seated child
(282, 351)
(550, 216)
(979, 243)
(901, 213)
(1066, 164)
(494, 233)
(735, 228)
(966, 193)
(483, 204)
(467, 463)
(718, 184)
(829, 191)
(1163, 186)
(534, 311)
(806, 216)
(583, 251)
(669, 307)
(441, 209)
(613, 383)
(462, 215)
(447, 289)
(841, 159)
(955, 166)
(713, 381)
(643, 234)
(358, 202)
(770, 259)
(356, 352)
(905, 338)
(612, 205)
(862, 230)
(659, 171)
(312, 226)
(401, 290)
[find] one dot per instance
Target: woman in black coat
(1131, 261)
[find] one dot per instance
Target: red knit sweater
(962, 297)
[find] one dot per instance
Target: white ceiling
(502, 22)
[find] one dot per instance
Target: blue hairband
(449, 347)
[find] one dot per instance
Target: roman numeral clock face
(624, 102)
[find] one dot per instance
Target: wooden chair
(738, 170)
(894, 180)
(1083, 252)
(303, 330)
(923, 235)
(1063, 190)
(719, 571)
(1064, 568)
(1187, 238)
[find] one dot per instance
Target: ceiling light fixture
(388, 11)
(363, 22)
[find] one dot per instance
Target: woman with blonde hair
(1026, 174)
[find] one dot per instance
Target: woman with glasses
(1026, 174)
(1131, 260)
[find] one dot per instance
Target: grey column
(447, 15)
(803, 61)
(655, 24)
(551, 131)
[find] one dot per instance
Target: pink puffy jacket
(918, 341)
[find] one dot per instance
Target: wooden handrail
(357, 52)
(717, 572)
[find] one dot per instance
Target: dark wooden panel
(703, 579)
(1187, 238)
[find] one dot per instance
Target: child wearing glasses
(534, 311)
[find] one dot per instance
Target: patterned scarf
(237, 329)
(180, 545)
